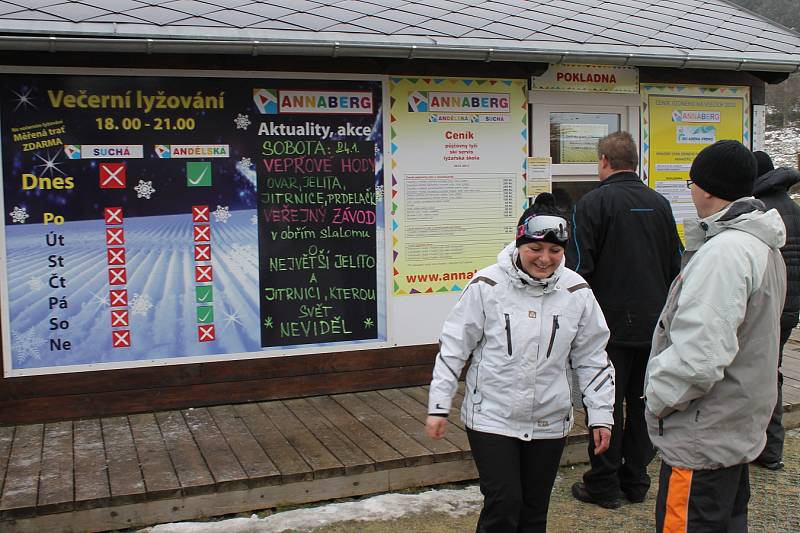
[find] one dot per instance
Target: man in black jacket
(771, 187)
(625, 244)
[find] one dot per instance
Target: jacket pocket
(508, 333)
(553, 332)
(475, 399)
(558, 328)
(661, 421)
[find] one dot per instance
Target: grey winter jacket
(710, 382)
(522, 334)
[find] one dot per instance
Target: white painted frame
(543, 103)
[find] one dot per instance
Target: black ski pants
(773, 451)
(516, 479)
(623, 467)
(702, 501)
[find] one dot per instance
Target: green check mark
(198, 174)
(204, 294)
(205, 314)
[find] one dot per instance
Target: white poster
(458, 151)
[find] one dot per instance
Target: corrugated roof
(689, 33)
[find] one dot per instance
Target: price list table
(457, 217)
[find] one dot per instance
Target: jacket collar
(745, 214)
(622, 175)
(507, 259)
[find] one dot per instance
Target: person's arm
(676, 245)
(703, 331)
(594, 370)
(583, 244)
(461, 333)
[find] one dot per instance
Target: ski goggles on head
(539, 227)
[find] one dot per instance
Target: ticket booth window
(567, 127)
(574, 136)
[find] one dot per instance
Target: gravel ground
(774, 506)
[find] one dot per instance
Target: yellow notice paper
(540, 176)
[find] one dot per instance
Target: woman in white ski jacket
(522, 323)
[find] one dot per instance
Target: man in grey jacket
(710, 383)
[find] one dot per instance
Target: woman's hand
(434, 426)
(602, 438)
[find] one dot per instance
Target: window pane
(574, 136)
(567, 193)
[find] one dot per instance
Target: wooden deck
(126, 471)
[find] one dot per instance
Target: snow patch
(783, 145)
(453, 502)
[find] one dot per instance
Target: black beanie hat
(764, 162)
(725, 169)
(545, 204)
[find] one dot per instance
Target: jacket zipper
(602, 383)
(660, 427)
(508, 333)
(552, 335)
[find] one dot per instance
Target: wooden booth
(267, 200)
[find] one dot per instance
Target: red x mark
(117, 276)
(121, 338)
(116, 256)
(112, 175)
(200, 213)
(202, 252)
(115, 236)
(205, 333)
(113, 215)
(119, 317)
(202, 233)
(203, 273)
(118, 297)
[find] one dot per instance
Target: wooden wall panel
(89, 394)
(193, 374)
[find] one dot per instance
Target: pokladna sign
(588, 78)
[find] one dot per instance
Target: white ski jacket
(521, 335)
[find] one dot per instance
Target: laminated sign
(150, 220)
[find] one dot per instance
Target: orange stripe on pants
(676, 517)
